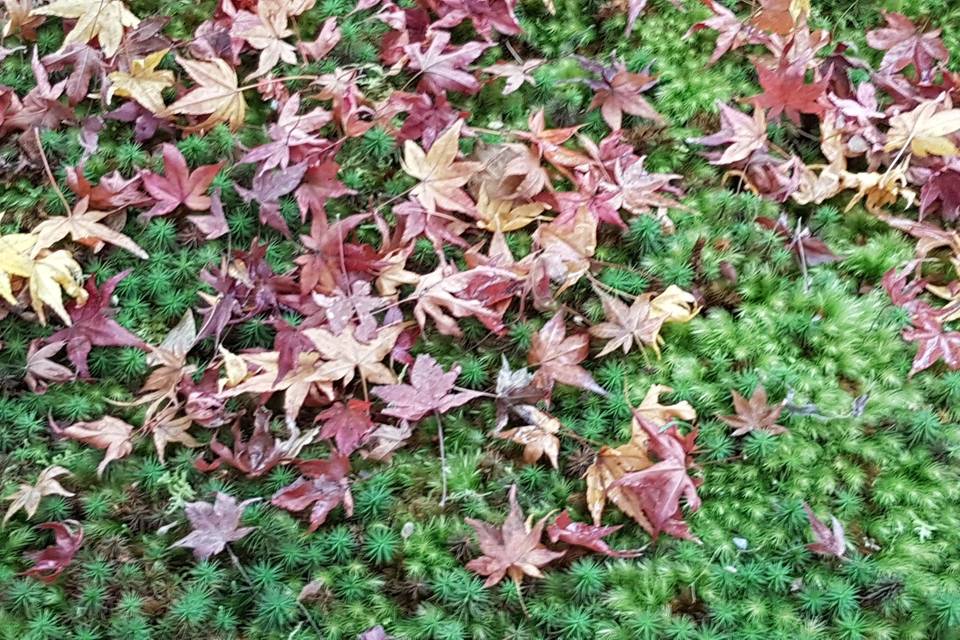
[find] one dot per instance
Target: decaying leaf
(538, 437)
(48, 274)
(218, 95)
(143, 83)
(49, 563)
(754, 414)
(27, 497)
(441, 175)
(111, 434)
(428, 391)
(100, 19)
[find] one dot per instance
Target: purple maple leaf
(428, 391)
(830, 540)
(214, 525)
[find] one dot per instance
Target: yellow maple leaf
(100, 19)
(143, 83)
(218, 95)
(441, 176)
(47, 274)
(504, 215)
(924, 130)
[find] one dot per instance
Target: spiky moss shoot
(193, 607)
(275, 607)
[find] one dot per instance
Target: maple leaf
(941, 192)
(441, 66)
(830, 541)
(47, 274)
(538, 437)
(505, 215)
(781, 16)
(732, 32)
(261, 452)
(265, 32)
(20, 21)
(27, 497)
(307, 374)
(933, 344)
(588, 536)
(925, 130)
(441, 176)
(743, 133)
(785, 90)
(143, 83)
(100, 19)
(268, 188)
(49, 563)
(324, 485)
(808, 248)
(111, 434)
(662, 415)
(218, 95)
(905, 45)
(112, 192)
(658, 488)
(428, 391)
(178, 185)
(214, 525)
(611, 464)
(347, 424)
(487, 16)
(481, 292)
(514, 74)
(40, 369)
(754, 414)
(214, 225)
(84, 62)
(328, 38)
(622, 92)
(346, 354)
(91, 325)
(567, 247)
(166, 427)
(559, 355)
(386, 439)
(292, 133)
(83, 225)
(626, 325)
(514, 549)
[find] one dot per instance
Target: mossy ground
(890, 474)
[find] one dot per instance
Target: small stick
(443, 461)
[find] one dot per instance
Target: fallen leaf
(49, 563)
(47, 273)
(588, 536)
(628, 325)
(830, 541)
(100, 19)
(27, 497)
(83, 225)
(109, 433)
(744, 134)
(347, 424)
(143, 83)
(441, 176)
(538, 437)
(178, 185)
(214, 525)
(559, 355)
(513, 549)
(324, 485)
(428, 391)
(218, 95)
(754, 414)
(925, 130)
(346, 354)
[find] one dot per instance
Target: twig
(46, 167)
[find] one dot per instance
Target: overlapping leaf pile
(308, 360)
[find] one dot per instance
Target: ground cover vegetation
(446, 319)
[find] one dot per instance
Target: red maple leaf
(618, 91)
(49, 563)
(324, 485)
(92, 325)
(178, 185)
(112, 192)
(347, 424)
(904, 45)
(933, 343)
(442, 67)
(830, 541)
(785, 90)
(732, 32)
(588, 536)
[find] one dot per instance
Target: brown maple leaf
(345, 354)
(538, 437)
(84, 226)
(610, 465)
(559, 355)
(628, 325)
(785, 90)
(754, 414)
(743, 133)
(514, 549)
(109, 433)
(441, 176)
(660, 414)
(27, 497)
(621, 92)
(307, 374)
(166, 427)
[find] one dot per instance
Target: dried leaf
(214, 525)
(27, 497)
(218, 95)
(49, 563)
(428, 391)
(111, 434)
